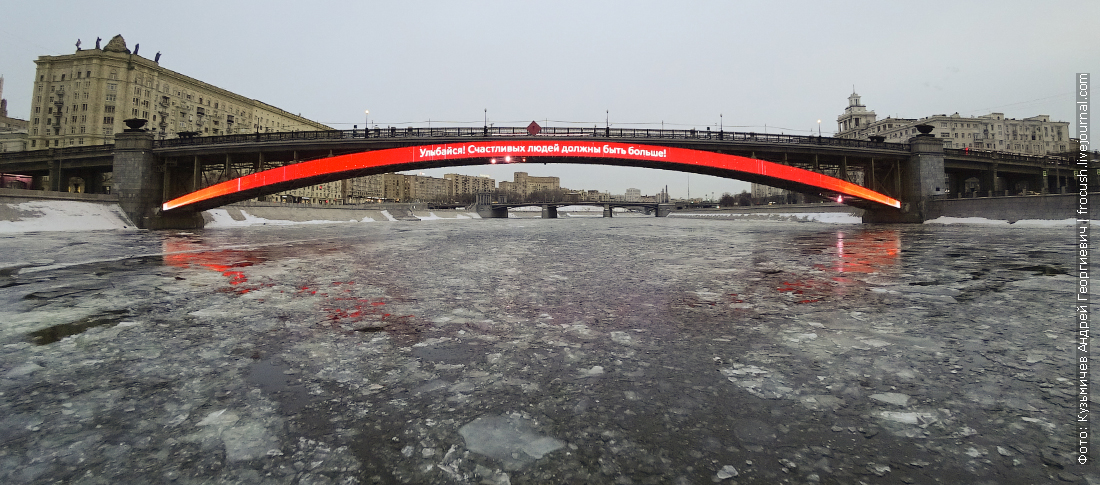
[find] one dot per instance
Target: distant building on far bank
(525, 185)
(469, 184)
(13, 131)
(1036, 135)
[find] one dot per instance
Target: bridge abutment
(549, 212)
(607, 211)
(922, 179)
(486, 210)
(139, 183)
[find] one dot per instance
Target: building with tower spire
(855, 119)
(1037, 135)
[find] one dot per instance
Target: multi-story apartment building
(525, 185)
(13, 131)
(325, 193)
(421, 188)
(469, 184)
(83, 98)
(1036, 135)
(364, 189)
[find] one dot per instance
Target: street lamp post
(819, 128)
(366, 123)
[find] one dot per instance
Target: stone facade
(525, 185)
(13, 131)
(83, 98)
(1036, 135)
(469, 184)
(326, 193)
(855, 117)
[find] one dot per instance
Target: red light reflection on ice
(866, 252)
(183, 253)
(856, 252)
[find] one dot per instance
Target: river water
(625, 350)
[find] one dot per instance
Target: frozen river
(623, 350)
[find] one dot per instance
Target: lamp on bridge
(366, 123)
(819, 128)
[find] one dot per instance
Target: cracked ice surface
(629, 350)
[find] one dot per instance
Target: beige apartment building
(525, 185)
(13, 131)
(326, 193)
(83, 98)
(396, 187)
(469, 184)
(1036, 135)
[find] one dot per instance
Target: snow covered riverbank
(19, 215)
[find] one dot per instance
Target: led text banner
(508, 151)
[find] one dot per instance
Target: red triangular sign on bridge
(533, 129)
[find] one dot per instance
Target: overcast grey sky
(779, 64)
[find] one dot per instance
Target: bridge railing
(481, 132)
(57, 152)
(1008, 157)
(505, 131)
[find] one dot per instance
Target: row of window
(42, 77)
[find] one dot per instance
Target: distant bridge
(550, 209)
(165, 178)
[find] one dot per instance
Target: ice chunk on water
(895, 398)
(243, 439)
(510, 439)
(727, 471)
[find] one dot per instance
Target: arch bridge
(164, 182)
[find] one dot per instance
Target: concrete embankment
(1012, 209)
(827, 212)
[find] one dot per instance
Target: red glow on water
(235, 277)
(867, 252)
(185, 253)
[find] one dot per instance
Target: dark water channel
(539, 351)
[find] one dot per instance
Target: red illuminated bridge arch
(482, 153)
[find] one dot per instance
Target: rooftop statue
(117, 44)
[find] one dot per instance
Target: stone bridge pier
(923, 177)
(139, 183)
